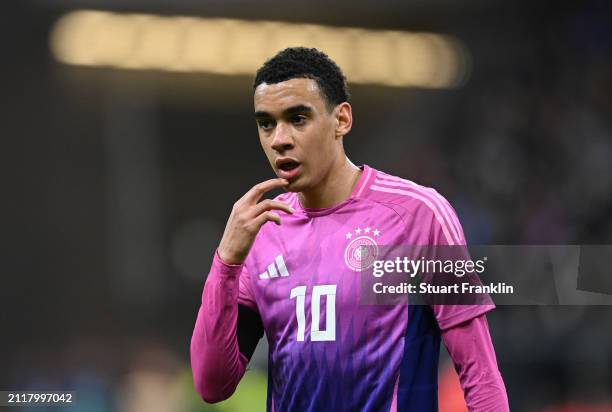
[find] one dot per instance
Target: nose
(282, 139)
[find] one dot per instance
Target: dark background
(116, 186)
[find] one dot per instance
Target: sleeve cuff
(470, 312)
(226, 269)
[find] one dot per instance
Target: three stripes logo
(275, 269)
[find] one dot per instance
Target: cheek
(266, 147)
(322, 145)
(319, 140)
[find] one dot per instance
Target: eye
(299, 119)
(265, 124)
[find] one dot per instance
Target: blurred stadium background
(128, 134)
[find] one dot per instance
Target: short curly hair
(302, 62)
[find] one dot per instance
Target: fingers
(257, 191)
(252, 215)
(247, 218)
(267, 217)
(269, 204)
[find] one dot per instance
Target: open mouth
(288, 166)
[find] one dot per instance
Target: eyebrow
(300, 108)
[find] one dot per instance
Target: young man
(296, 279)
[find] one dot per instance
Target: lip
(287, 174)
(291, 174)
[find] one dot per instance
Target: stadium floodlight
(239, 47)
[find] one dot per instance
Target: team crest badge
(362, 250)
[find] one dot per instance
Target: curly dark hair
(302, 62)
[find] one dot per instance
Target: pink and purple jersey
(327, 350)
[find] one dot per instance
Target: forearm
(471, 350)
(216, 361)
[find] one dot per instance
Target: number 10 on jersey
(318, 291)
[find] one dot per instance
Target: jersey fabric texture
(327, 351)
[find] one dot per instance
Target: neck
(336, 187)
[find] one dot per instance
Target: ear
(343, 114)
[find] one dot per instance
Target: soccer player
(288, 267)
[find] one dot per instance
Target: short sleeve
(447, 232)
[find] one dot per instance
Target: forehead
(279, 96)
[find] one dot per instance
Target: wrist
(228, 258)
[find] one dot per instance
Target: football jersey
(327, 350)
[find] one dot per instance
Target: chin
(295, 186)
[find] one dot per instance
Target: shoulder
(411, 196)
(415, 201)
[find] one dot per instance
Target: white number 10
(329, 333)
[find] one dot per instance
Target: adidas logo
(275, 268)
